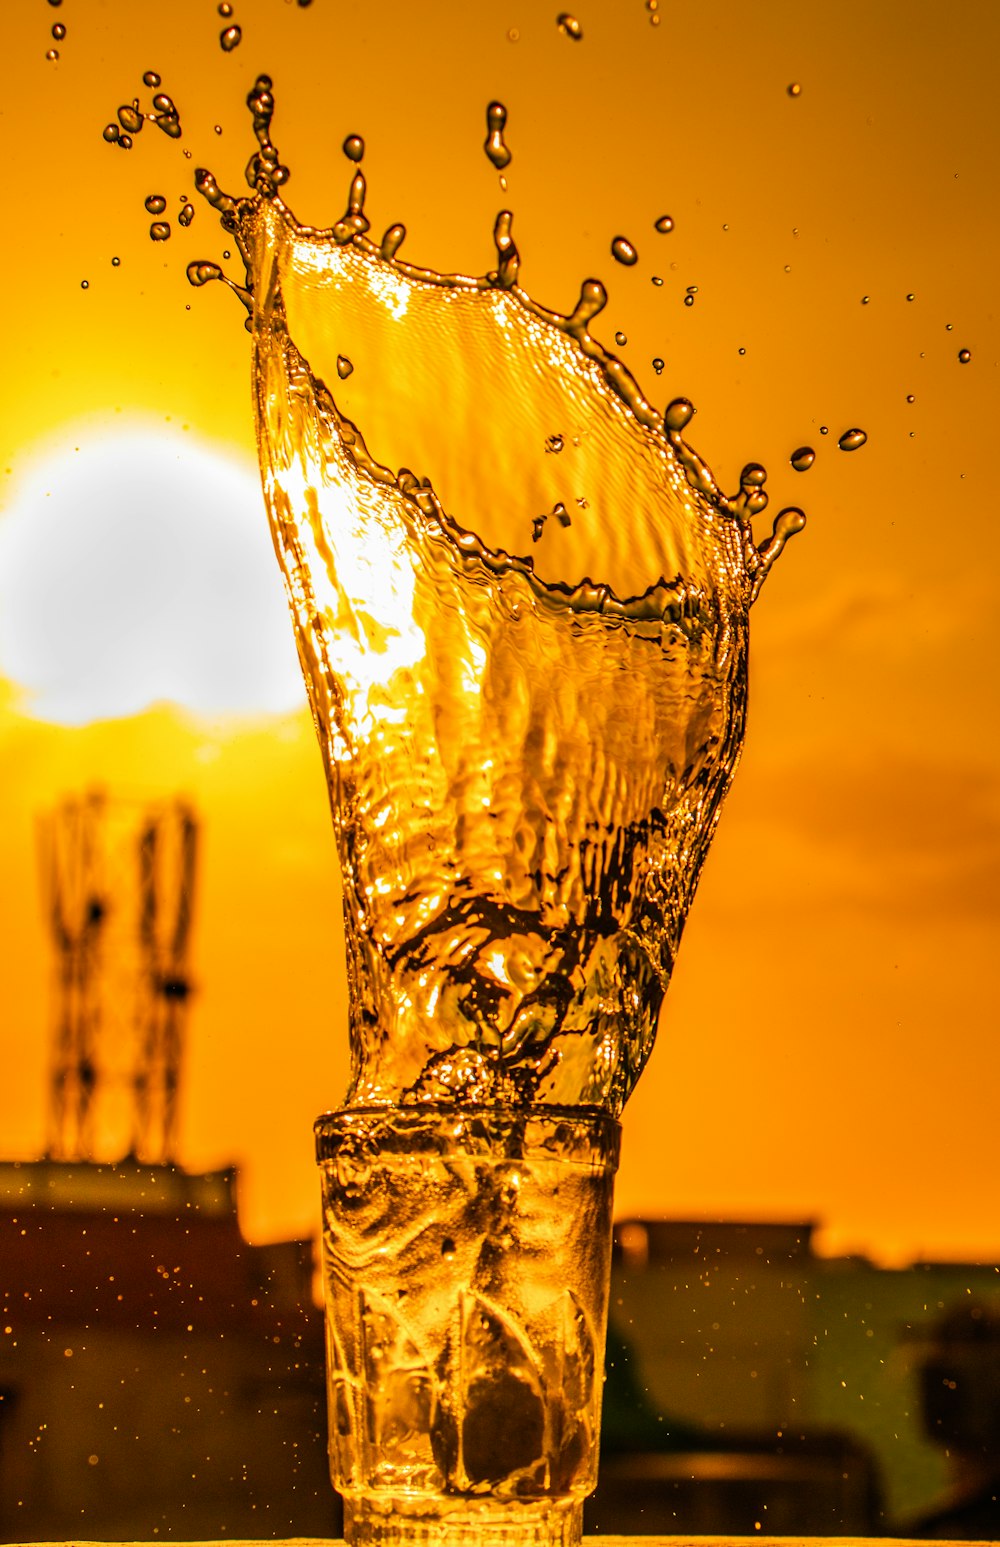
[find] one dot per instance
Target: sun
(136, 568)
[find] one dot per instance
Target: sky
(828, 1047)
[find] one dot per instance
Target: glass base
(405, 1520)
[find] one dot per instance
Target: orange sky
(828, 1048)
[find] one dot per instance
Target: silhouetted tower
(119, 886)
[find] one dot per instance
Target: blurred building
(783, 1392)
(158, 1375)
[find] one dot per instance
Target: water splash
(521, 605)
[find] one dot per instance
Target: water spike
(508, 257)
(678, 415)
(355, 222)
(204, 182)
(593, 299)
(496, 150)
(786, 523)
(392, 241)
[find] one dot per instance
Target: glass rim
(585, 1134)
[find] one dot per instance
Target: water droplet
(159, 231)
(55, 2)
(155, 204)
(124, 142)
(948, 327)
(689, 299)
(679, 413)
(824, 429)
(802, 459)
(354, 147)
(225, 9)
(911, 296)
(555, 443)
(496, 122)
(910, 398)
(218, 128)
(964, 356)
(657, 365)
(623, 251)
(741, 350)
(52, 53)
(569, 26)
(851, 440)
(795, 89)
(865, 299)
(151, 79)
(229, 38)
(657, 280)
(115, 262)
(110, 133)
(200, 273)
(186, 215)
(620, 339)
(85, 284)
(654, 20)
(130, 117)
(663, 224)
(58, 31)
(513, 35)
(344, 367)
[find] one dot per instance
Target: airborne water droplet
(689, 299)
(52, 53)
(58, 31)
(623, 251)
(802, 459)
(229, 37)
(354, 147)
(110, 133)
(200, 273)
(657, 280)
(911, 296)
(664, 224)
(85, 284)
(224, 9)
(795, 89)
(130, 117)
(851, 440)
(186, 215)
(344, 367)
(151, 79)
(496, 150)
(155, 204)
(657, 365)
(115, 262)
(569, 26)
(964, 356)
(159, 231)
(910, 398)
(620, 339)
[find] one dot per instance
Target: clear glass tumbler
(466, 1259)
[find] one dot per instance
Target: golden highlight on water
(521, 604)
